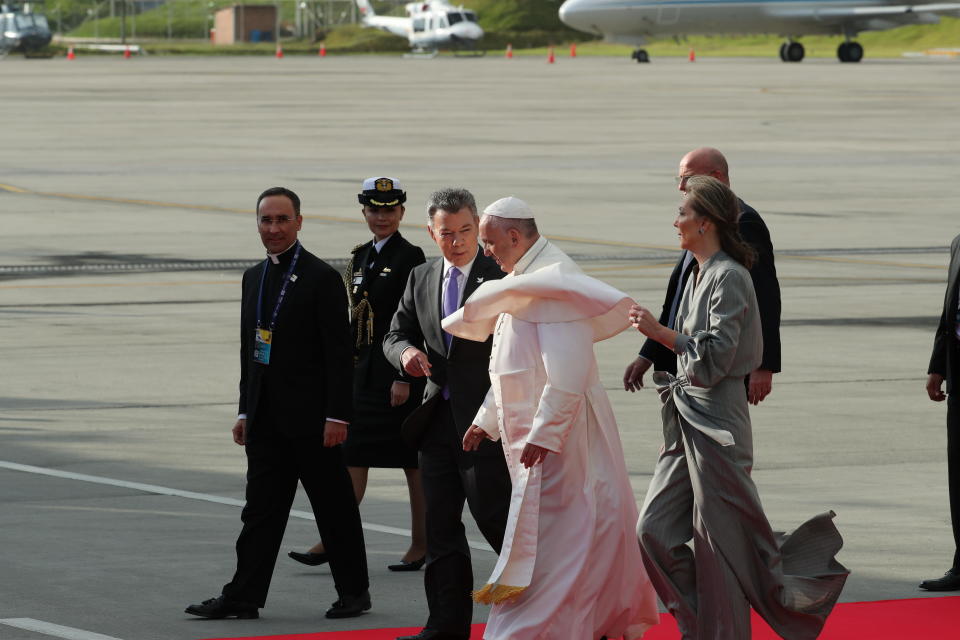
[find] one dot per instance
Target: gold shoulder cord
(361, 313)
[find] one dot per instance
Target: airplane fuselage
(634, 21)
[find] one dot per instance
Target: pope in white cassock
(570, 567)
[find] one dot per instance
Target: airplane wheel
(640, 55)
(783, 51)
(854, 52)
(793, 52)
(843, 52)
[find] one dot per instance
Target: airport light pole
(123, 21)
(96, 23)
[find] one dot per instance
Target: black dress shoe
(949, 582)
(220, 607)
(408, 566)
(349, 606)
(309, 558)
(433, 634)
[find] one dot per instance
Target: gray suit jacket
(464, 367)
(944, 359)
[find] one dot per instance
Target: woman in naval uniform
(382, 396)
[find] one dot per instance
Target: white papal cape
(570, 567)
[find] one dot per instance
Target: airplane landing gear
(640, 55)
(850, 52)
(792, 51)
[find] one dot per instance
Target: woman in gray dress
(701, 488)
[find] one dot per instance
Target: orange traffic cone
(279, 52)
(509, 51)
(693, 56)
(323, 50)
(70, 54)
(126, 53)
(573, 49)
(550, 57)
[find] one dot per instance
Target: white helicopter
(429, 25)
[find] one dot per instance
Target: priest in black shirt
(295, 406)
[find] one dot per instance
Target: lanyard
(283, 289)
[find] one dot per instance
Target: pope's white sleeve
(487, 416)
(567, 352)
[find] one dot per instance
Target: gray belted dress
(702, 490)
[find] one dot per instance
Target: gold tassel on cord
(497, 593)
(363, 316)
(360, 312)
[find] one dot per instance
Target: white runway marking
(55, 630)
(192, 495)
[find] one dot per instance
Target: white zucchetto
(510, 207)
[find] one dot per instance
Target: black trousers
(274, 465)
(450, 477)
(953, 470)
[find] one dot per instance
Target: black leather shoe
(309, 558)
(949, 582)
(408, 566)
(433, 634)
(220, 607)
(349, 606)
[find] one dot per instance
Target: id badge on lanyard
(261, 346)
(263, 338)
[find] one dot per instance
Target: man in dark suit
(945, 365)
(457, 382)
(295, 403)
(707, 161)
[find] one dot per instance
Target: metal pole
(169, 19)
(123, 22)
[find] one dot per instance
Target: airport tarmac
(127, 195)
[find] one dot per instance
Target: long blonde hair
(714, 200)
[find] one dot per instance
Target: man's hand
(415, 362)
(533, 455)
(240, 431)
(334, 433)
(761, 383)
(399, 393)
(935, 387)
(633, 376)
(473, 437)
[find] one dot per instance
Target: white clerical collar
(378, 244)
(465, 269)
(275, 257)
(530, 255)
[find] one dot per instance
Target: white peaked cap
(370, 184)
(510, 207)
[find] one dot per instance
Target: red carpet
(919, 619)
